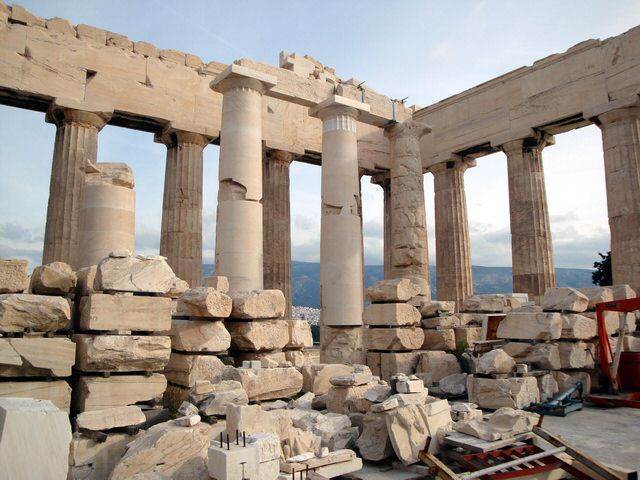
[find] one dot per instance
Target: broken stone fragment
(409, 385)
(187, 409)
(108, 418)
(187, 421)
(455, 384)
(121, 353)
(448, 321)
(568, 379)
(199, 336)
(93, 460)
(539, 355)
(437, 365)
(55, 278)
(57, 392)
(564, 299)
(150, 274)
(394, 339)
(217, 403)
(437, 308)
(218, 282)
(505, 423)
(40, 313)
(391, 314)
(576, 354)
(531, 326)
(36, 357)
(387, 364)
(495, 361)
(268, 383)
(548, 387)
(361, 375)
(596, 295)
(486, 304)
(396, 290)
(374, 443)
(317, 377)
(257, 304)
(349, 399)
(125, 312)
(186, 370)
(299, 334)
(467, 336)
(258, 336)
(97, 393)
(622, 292)
(578, 327)
(204, 302)
(439, 339)
(514, 392)
(13, 275)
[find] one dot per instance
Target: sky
(423, 50)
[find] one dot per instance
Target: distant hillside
(306, 280)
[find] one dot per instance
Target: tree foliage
(602, 273)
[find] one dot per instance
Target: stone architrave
(277, 223)
(76, 146)
(531, 248)
(181, 228)
(453, 248)
(621, 143)
(239, 253)
(409, 248)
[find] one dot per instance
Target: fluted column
(531, 247)
(277, 222)
(384, 181)
(181, 230)
(239, 216)
(409, 247)
(621, 143)
(76, 145)
(453, 248)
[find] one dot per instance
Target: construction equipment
(610, 362)
(562, 404)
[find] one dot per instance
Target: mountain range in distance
(305, 279)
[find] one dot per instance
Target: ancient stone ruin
(120, 366)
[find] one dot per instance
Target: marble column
(181, 230)
(76, 145)
(621, 143)
(384, 181)
(409, 247)
(277, 222)
(453, 249)
(531, 247)
(239, 217)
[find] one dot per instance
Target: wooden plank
(474, 444)
(442, 471)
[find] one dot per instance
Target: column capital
(338, 105)
(457, 162)
(382, 179)
(409, 128)
(617, 115)
(540, 141)
(237, 76)
(279, 156)
(65, 111)
(172, 137)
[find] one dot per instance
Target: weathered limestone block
(485, 304)
(13, 275)
(204, 302)
(36, 357)
(576, 326)
(564, 299)
(97, 393)
(298, 358)
(55, 278)
(227, 392)
(361, 375)
(503, 424)
(495, 361)
(467, 336)
(437, 365)
(34, 438)
(396, 290)
(125, 312)
(349, 399)
(253, 419)
(150, 274)
(108, 418)
(437, 308)
(178, 452)
(271, 357)
(199, 336)
(342, 344)
(548, 387)
(391, 363)
(439, 339)
(218, 282)
(57, 392)
(121, 353)
(539, 355)
(258, 304)
(40, 313)
(531, 326)
(622, 292)
(455, 384)
(612, 320)
(268, 383)
(394, 339)
(449, 321)
(186, 370)
(391, 314)
(86, 281)
(316, 378)
(515, 392)
(259, 335)
(596, 295)
(567, 380)
(576, 354)
(299, 334)
(92, 460)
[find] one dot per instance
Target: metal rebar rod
(512, 463)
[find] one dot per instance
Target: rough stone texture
(120, 353)
(36, 357)
(40, 313)
(257, 304)
(86, 281)
(199, 336)
(564, 299)
(56, 278)
(125, 312)
(13, 275)
(361, 375)
(316, 377)
(531, 326)
(253, 419)
(258, 336)
(623, 291)
(548, 387)
(299, 334)
(515, 392)
(185, 369)
(268, 383)
(391, 314)
(440, 339)
(97, 393)
(142, 274)
(92, 460)
(397, 290)
(539, 355)
(495, 361)
(503, 424)
(341, 344)
(391, 363)
(179, 452)
(448, 321)
(204, 302)
(596, 295)
(108, 418)
(349, 399)
(394, 339)
(576, 354)
(57, 392)
(436, 308)
(34, 439)
(568, 379)
(467, 336)
(485, 304)
(227, 392)
(455, 384)
(218, 282)
(575, 326)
